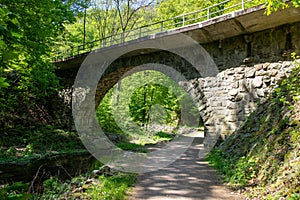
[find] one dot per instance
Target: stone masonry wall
(226, 100)
(270, 45)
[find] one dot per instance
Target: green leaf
(3, 83)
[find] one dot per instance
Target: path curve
(188, 178)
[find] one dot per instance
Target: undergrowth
(103, 187)
(21, 144)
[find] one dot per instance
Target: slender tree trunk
(144, 105)
(118, 87)
(151, 99)
(84, 25)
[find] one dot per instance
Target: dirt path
(188, 178)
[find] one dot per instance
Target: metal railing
(157, 27)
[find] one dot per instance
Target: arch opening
(149, 113)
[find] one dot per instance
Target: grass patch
(162, 136)
(127, 146)
(138, 144)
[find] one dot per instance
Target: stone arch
(192, 84)
(124, 64)
(99, 62)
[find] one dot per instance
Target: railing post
(112, 40)
(104, 42)
(161, 26)
(208, 13)
(140, 33)
(122, 37)
(183, 20)
(72, 51)
(243, 4)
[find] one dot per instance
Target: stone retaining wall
(226, 100)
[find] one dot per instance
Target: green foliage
(15, 191)
(106, 187)
(274, 5)
(149, 95)
(23, 144)
(162, 136)
(114, 187)
(236, 171)
(104, 113)
(294, 197)
(53, 188)
(28, 30)
(289, 90)
(147, 103)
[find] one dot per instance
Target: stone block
(274, 66)
(239, 97)
(230, 112)
(258, 67)
(250, 73)
(261, 73)
(233, 92)
(239, 76)
(257, 82)
(260, 92)
(231, 118)
(235, 84)
(266, 66)
(231, 105)
(273, 72)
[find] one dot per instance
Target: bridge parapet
(207, 15)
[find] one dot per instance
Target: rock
(282, 75)
(238, 76)
(262, 73)
(267, 80)
(248, 60)
(233, 92)
(231, 72)
(235, 84)
(257, 82)
(266, 65)
(250, 73)
(273, 72)
(260, 92)
(239, 97)
(231, 106)
(274, 66)
(258, 67)
(231, 118)
(88, 181)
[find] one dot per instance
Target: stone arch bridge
(250, 50)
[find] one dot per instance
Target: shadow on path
(187, 178)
